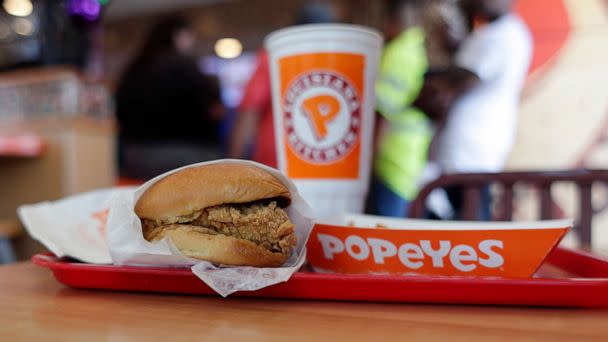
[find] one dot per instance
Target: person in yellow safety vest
(405, 131)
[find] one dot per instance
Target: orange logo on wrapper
(507, 252)
(102, 218)
(321, 108)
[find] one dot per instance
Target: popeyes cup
(323, 100)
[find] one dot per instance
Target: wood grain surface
(34, 307)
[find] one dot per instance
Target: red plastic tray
(588, 286)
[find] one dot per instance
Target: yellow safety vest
(403, 150)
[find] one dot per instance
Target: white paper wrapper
(74, 226)
(128, 246)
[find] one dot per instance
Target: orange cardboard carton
(379, 245)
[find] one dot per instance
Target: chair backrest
(541, 180)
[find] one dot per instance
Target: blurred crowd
(448, 89)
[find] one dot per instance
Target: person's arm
(440, 91)
(256, 99)
(442, 88)
(243, 132)
(215, 108)
(460, 80)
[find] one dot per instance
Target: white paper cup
(323, 100)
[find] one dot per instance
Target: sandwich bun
(179, 198)
(220, 249)
(196, 188)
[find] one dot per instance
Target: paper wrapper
(74, 226)
(128, 246)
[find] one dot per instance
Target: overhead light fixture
(228, 48)
(18, 8)
(23, 26)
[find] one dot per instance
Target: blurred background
(69, 67)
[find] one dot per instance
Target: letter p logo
(320, 110)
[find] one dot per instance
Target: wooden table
(34, 307)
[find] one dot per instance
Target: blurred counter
(56, 139)
(78, 155)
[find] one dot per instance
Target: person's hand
(435, 98)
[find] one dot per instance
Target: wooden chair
(540, 180)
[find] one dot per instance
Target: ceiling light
(228, 48)
(18, 8)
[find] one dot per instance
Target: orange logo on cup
(320, 111)
(322, 117)
(322, 98)
(505, 252)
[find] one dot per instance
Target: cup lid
(362, 31)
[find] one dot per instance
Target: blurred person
(446, 27)
(480, 93)
(168, 112)
(405, 131)
(253, 133)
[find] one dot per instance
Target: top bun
(197, 188)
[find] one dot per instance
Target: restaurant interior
(58, 78)
(79, 113)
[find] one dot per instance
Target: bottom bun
(219, 249)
